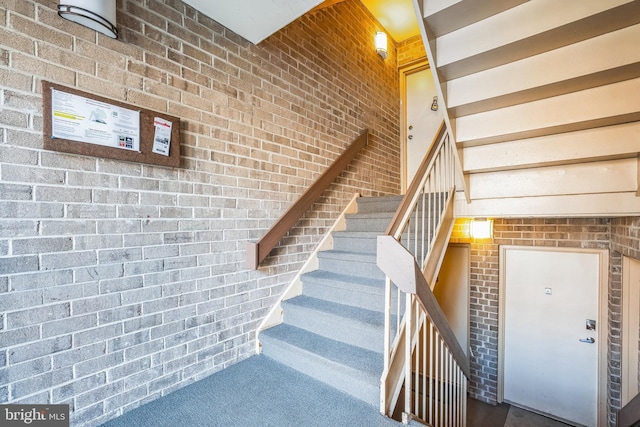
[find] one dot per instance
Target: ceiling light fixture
(381, 44)
(99, 15)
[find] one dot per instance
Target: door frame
(603, 319)
(630, 333)
(404, 71)
(467, 248)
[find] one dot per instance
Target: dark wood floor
(480, 414)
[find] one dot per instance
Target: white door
(421, 121)
(550, 357)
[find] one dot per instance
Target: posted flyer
(162, 136)
(81, 119)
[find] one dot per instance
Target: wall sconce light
(434, 104)
(381, 44)
(99, 15)
(481, 228)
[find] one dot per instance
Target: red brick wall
(625, 241)
(410, 50)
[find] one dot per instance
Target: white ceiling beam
(608, 176)
(620, 141)
(581, 205)
(604, 105)
(600, 60)
(516, 24)
(445, 16)
(513, 34)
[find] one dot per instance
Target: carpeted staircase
(333, 332)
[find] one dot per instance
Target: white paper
(86, 120)
(162, 136)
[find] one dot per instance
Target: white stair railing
(422, 353)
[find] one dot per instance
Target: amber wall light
(381, 44)
(481, 228)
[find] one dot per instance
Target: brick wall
(614, 359)
(625, 241)
(120, 282)
(410, 50)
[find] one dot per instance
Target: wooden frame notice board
(146, 135)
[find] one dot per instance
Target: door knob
(589, 340)
(410, 137)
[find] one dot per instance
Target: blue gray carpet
(257, 392)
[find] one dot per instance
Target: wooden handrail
(629, 416)
(258, 251)
(401, 267)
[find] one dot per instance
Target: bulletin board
(82, 123)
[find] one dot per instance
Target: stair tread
(353, 255)
(361, 234)
(336, 278)
(397, 197)
(366, 361)
(354, 314)
(376, 215)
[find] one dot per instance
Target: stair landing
(255, 392)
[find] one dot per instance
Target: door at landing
(551, 332)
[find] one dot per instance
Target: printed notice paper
(77, 118)
(162, 137)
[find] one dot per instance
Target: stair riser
(379, 225)
(357, 296)
(363, 269)
(355, 244)
(335, 327)
(354, 295)
(348, 380)
(389, 204)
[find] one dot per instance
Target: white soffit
(255, 20)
